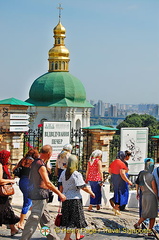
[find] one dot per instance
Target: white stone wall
(79, 117)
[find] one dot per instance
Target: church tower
(57, 95)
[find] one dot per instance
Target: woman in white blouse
(71, 181)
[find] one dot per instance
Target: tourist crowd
(35, 184)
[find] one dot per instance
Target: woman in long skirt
(94, 176)
(71, 181)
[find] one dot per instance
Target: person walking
(39, 193)
(62, 159)
(94, 176)
(71, 181)
(7, 215)
(25, 165)
(118, 170)
(149, 206)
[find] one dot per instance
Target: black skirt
(7, 215)
(72, 214)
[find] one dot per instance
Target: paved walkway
(102, 224)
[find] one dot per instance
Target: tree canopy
(143, 120)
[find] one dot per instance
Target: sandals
(81, 236)
(14, 233)
(116, 211)
(98, 207)
(136, 226)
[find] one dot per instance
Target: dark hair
(33, 152)
(127, 153)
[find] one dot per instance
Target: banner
(135, 140)
(56, 134)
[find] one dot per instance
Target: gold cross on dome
(60, 8)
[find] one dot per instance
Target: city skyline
(114, 47)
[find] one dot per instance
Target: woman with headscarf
(94, 176)
(71, 181)
(62, 159)
(25, 164)
(118, 169)
(149, 205)
(7, 215)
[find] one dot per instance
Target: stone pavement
(102, 224)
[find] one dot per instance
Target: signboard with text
(19, 122)
(19, 129)
(19, 116)
(135, 140)
(56, 134)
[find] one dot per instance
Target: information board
(56, 134)
(135, 140)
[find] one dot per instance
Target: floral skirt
(7, 215)
(72, 214)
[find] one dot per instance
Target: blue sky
(113, 44)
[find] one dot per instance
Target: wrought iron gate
(33, 138)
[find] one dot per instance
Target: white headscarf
(95, 154)
(67, 147)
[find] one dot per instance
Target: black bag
(18, 172)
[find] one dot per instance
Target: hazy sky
(113, 44)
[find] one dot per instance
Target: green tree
(143, 120)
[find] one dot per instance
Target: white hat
(67, 147)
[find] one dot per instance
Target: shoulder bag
(6, 190)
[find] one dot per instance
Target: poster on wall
(56, 134)
(135, 140)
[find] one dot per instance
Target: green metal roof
(157, 137)
(101, 127)
(14, 101)
(58, 89)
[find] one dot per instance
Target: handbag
(6, 190)
(18, 172)
(58, 220)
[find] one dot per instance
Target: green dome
(58, 89)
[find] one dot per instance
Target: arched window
(62, 65)
(52, 65)
(58, 40)
(78, 124)
(56, 65)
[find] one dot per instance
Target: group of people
(147, 186)
(35, 186)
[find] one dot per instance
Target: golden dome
(59, 52)
(59, 29)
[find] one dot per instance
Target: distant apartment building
(102, 109)
(99, 109)
(113, 111)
